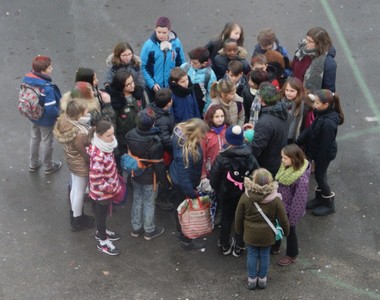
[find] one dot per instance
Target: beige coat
(234, 109)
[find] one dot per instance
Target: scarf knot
(288, 176)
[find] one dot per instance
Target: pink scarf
(236, 183)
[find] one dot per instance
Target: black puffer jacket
(239, 162)
(147, 144)
(271, 134)
(165, 122)
(319, 138)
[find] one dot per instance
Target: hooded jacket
(248, 220)
(235, 113)
(221, 61)
(51, 99)
(165, 122)
(156, 64)
(271, 134)
(187, 178)
(185, 104)
(319, 138)
(329, 72)
(74, 145)
(147, 144)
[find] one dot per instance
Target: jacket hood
(331, 52)
(178, 135)
(172, 36)
(241, 54)
(64, 131)
(233, 151)
(159, 111)
(142, 136)
(181, 91)
(278, 110)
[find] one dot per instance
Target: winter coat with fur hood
(221, 61)
(235, 114)
(74, 143)
(248, 220)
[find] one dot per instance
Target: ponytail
(338, 108)
(214, 90)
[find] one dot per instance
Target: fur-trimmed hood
(258, 193)
(242, 52)
(64, 131)
(92, 104)
(137, 60)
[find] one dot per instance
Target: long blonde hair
(192, 130)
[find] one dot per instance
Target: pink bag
(120, 198)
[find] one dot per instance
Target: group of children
(215, 124)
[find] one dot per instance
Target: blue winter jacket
(156, 64)
(186, 178)
(51, 99)
(329, 72)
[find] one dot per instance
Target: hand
(248, 126)
(106, 98)
(205, 185)
(156, 87)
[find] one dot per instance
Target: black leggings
(291, 243)
(228, 216)
(101, 209)
(321, 177)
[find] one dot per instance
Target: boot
(327, 207)
(81, 222)
(71, 217)
(317, 201)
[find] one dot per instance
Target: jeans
(41, 135)
(258, 259)
(228, 215)
(78, 188)
(321, 177)
(143, 207)
(101, 209)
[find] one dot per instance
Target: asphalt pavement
(40, 258)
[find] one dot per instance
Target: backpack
(238, 168)
(207, 74)
(31, 102)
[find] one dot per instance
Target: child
(202, 76)
(42, 129)
(215, 139)
(71, 129)
(186, 169)
(235, 74)
(184, 101)
(267, 40)
(123, 57)
(231, 30)
(293, 178)
(320, 144)
(230, 51)
(144, 142)
(159, 55)
(258, 235)
(223, 92)
(260, 62)
(256, 77)
(293, 98)
(232, 164)
(105, 182)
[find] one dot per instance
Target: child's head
(268, 94)
(262, 177)
(215, 116)
(293, 156)
(163, 25)
(234, 31)
(163, 98)
(199, 57)
(266, 39)
(256, 77)
(259, 62)
(122, 54)
(179, 76)
(293, 90)
(235, 135)
(230, 47)
(105, 131)
(123, 82)
(42, 64)
(145, 119)
(76, 109)
(317, 38)
(235, 71)
(274, 57)
(87, 75)
(325, 99)
(82, 90)
(224, 89)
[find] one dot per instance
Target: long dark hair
(326, 96)
(118, 81)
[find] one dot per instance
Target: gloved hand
(205, 186)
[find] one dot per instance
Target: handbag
(194, 217)
(278, 231)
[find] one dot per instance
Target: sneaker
(107, 247)
(237, 251)
(286, 260)
(137, 233)
(252, 283)
(262, 283)
(226, 250)
(155, 233)
(112, 236)
(56, 166)
(34, 169)
(193, 245)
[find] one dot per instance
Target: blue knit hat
(235, 135)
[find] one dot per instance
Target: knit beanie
(163, 22)
(268, 93)
(234, 135)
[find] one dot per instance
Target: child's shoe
(237, 251)
(262, 283)
(286, 260)
(252, 283)
(193, 245)
(107, 247)
(155, 233)
(226, 250)
(137, 233)
(112, 236)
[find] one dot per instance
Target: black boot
(82, 222)
(71, 217)
(327, 207)
(317, 201)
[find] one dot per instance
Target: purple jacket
(294, 197)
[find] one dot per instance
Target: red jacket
(211, 146)
(103, 177)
